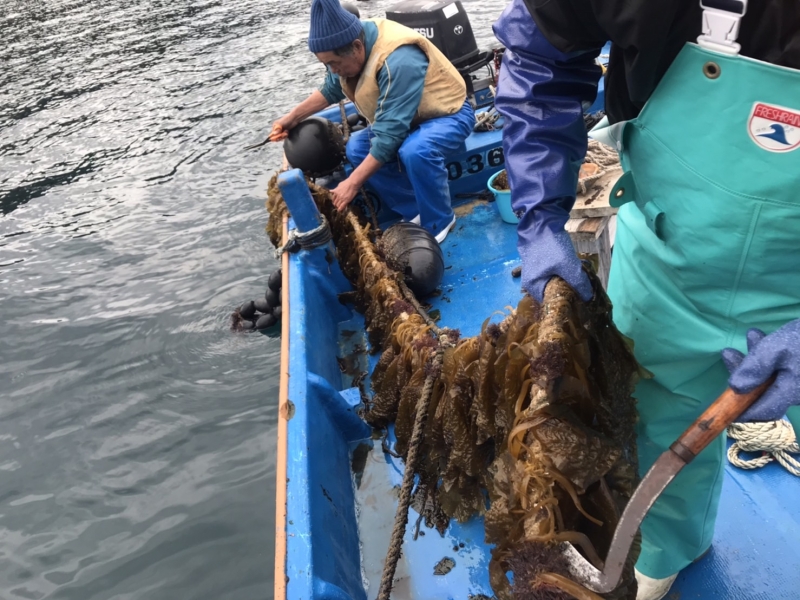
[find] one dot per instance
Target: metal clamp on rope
(319, 236)
(721, 25)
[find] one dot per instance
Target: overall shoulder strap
(721, 20)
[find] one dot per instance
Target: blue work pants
(416, 183)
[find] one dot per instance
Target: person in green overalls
(707, 252)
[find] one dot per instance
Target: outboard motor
(315, 146)
(446, 25)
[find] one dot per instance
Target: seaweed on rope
(530, 424)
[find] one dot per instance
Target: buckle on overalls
(625, 191)
(721, 25)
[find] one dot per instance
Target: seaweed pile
(530, 423)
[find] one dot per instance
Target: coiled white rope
(776, 439)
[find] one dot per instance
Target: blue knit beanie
(331, 26)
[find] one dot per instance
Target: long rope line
(401, 516)
(417, 436)
(413, 455)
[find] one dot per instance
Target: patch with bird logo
(775, 128)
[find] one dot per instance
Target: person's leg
(391, 185)
(680, 525)
(681, 347)
(423, 157)
(358, 146)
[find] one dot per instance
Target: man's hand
(552, 255)
(279, 132)
(344, 193)
(311, 105)
(280, 129)
(778, 353)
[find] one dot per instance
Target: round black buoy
(277, 312)
(263, 306)
(351, 8)
(315, 146)
(275, 280)
(248, 310)
(266, 321)
(273, 298)
(415, 253)
(246, 325)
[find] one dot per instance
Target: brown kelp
(530, 423)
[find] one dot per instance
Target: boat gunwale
(283, 415)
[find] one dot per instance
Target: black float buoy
(248, 310)
(275, 280)
(415, 253)
(351, 8)
(263, 313)
(273, 298)
(315, 146)
(262, 305)
(266, 321)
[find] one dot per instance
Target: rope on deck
(605, 157)
(775, 439)
(364, 196)
(345, 124)
(401, 516)
(445, 341)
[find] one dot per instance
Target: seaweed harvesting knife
(724, 411)
(276, 135)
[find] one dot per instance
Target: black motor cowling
(415, 253)
(445, 23)
(315, 146)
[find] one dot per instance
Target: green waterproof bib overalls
(707, 246)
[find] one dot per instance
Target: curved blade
(658, 477)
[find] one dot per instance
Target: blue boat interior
(342, 486)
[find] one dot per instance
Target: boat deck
(756, 550)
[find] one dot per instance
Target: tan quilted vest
(444, 92)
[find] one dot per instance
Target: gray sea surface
(137, 432)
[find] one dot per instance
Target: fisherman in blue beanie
(332, 27)
(414, 100)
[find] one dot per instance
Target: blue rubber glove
(541, 92)
(552, 254)
(779, 353)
